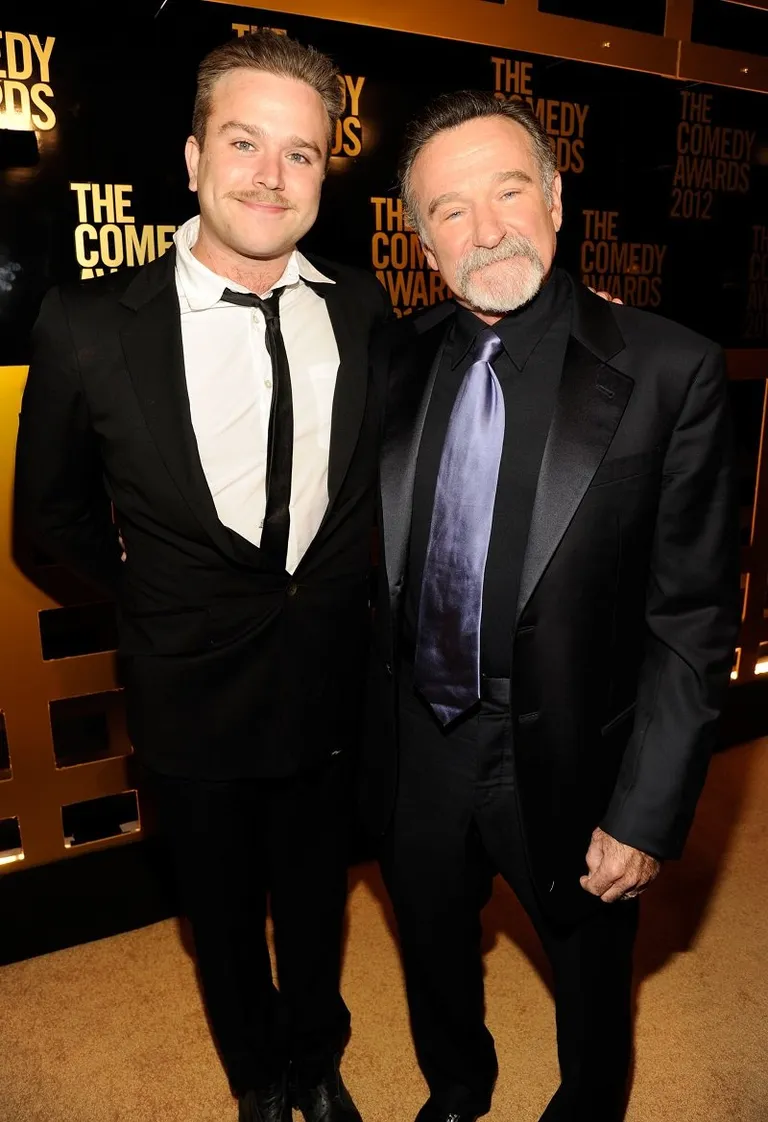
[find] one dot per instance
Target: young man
(558, 609)
(217, 401)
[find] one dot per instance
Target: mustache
(269, 198)
(509, 247)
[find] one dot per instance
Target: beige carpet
(114, 1031)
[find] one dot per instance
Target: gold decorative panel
(36, 787)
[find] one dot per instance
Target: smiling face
(259, 172)
(485, 219)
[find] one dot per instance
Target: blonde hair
(273, 54)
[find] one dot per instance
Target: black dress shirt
(529, 368)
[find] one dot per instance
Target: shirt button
(268, 383)
(293, 588)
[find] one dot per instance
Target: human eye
(243, 146)
(510, 194)
(298, 158)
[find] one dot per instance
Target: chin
(263, 249)
(505, 293)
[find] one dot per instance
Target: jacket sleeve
(692, 617)
(59, 497)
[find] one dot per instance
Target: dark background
(123, 90)
(123, 80)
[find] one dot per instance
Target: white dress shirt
(229, 381)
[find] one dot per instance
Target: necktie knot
(268, 306)
(487, 346)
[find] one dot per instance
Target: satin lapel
(411, 381)
(591, 400)
(351, 391)
(154, 355)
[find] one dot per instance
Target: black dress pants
(456, 824)
(233, 844)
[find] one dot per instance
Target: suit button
(293, 588)
(388, 669)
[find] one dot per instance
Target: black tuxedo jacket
(628, 605)
(232, 668)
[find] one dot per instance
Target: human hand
(606, 296)
(617, 871)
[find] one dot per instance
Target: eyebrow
(258, 134)
(518, 175)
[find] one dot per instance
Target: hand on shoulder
(606, 296)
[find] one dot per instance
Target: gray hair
(448, 111)
(275, 54)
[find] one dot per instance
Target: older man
(557, 615)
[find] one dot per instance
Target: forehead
(478, 148)
(252, 95)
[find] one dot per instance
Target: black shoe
(326, 1101)
(269, 1103)
(431, 1113)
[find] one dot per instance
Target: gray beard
(510, 288)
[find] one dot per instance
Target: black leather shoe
(269, 1103)
(430, 1113)
(326, 1101)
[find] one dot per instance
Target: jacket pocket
(627, 467)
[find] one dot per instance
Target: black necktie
(277, 518)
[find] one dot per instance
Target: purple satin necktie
(447, 663)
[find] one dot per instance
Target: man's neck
(257, 275)
(486, 317)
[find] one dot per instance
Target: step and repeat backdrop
(666, 207)
(665, 184)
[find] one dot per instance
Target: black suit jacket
(628, 605)
(232, 668)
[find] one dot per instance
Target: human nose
(269, 171)
(488, 230)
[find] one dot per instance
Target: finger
(617, 870)
(595, 886)
(588, 885)
(618, 891)
(627, 888)
(601, 879)
(594, 857)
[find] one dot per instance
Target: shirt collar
(203, 288)
(520, 331)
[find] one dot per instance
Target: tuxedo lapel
(154, 356)
(411, 379)
(590, 403)
(350, 393)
